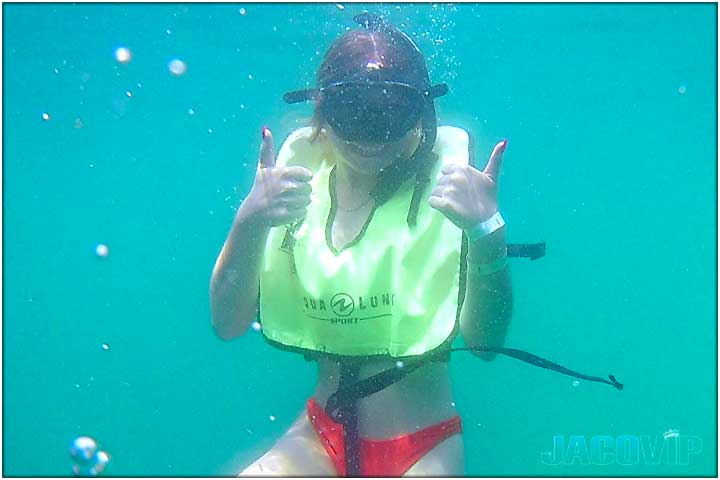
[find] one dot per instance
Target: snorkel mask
(372, 98)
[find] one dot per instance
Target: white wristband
(483, 229)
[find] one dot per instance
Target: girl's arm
(486, 311)
(279, 196)
(234, 285)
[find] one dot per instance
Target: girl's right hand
(280, 195)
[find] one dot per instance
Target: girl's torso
(420, 399)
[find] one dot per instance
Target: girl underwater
(368, 245)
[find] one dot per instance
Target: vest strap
(543, 363)
(533, 251)
(346, 414)
(350, 393)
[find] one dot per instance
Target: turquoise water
(610, 112)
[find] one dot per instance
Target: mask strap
(298, 96)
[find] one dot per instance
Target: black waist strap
(349, 393)
(543, 363)
(364, 388)
(533, 251)
(342, 405)
(346, 413)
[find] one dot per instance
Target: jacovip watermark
(669, 448)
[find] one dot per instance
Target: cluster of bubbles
(88, 461)
(441, 54)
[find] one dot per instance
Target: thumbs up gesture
(467, 196)
(279, 195)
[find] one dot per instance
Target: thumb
(267, 150)
(492, 169)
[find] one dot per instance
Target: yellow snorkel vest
(393, 292)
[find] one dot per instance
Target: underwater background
(610, 112)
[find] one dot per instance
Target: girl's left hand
(467, 196)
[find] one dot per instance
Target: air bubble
(82, 449)
(177, 67)
(88, 461)
(101, 460)
(123, 55)
(102, 250)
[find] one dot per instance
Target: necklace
(354, 208)
(337, 199)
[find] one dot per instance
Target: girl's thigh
(297, 453)
(447, 459)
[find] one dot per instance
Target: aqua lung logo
(344, 309)
(342, 304)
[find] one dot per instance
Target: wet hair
(347, 60)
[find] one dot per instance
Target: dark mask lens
(372, 113)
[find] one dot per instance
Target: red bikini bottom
(390, 457)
